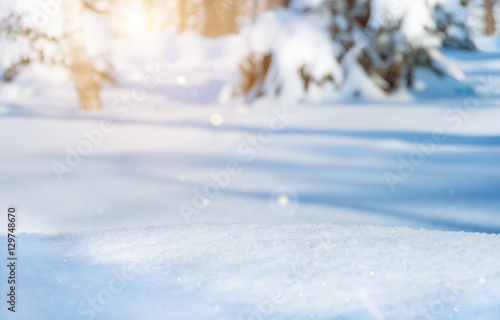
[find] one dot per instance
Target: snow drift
(255, 271)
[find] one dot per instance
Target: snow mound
(258, 272)
(488, 44)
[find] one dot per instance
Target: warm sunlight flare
(135, 24)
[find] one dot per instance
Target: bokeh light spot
(181, 80)
(216, 119)
(283, 200)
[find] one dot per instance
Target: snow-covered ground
(168, 154)
(257, 271)
(429, 163)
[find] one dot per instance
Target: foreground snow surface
(257, 271)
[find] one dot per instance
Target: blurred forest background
(187, 86)
(388, 38)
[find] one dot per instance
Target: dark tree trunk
(273, 4)
(220, 17)
(489, 18)
(409, 77)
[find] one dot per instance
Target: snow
(334, 157)
(305, 4)
(417, 26)
(387, 10)
(307, 47)
(257, 271)
(488, 44)
(295, 42)
(339, 159)
(359, 84)
(182, 203)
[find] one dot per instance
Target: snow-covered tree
(452, 21)
(316, 47)
(24, 44)
(61, 43)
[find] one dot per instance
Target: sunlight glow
(181, 80)
(216, 120)
(136, 24)
(283, 200)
